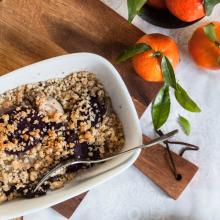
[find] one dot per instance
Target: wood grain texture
(68, 207)
(30, 32)
(19, 218)
(33, 30)
(154, 163)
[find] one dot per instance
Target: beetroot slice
(25, 126)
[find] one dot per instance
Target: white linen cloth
(131, 195)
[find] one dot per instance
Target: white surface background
(133, 196)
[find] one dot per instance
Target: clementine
(159, 4)
(204, 51)
(186, 10)
(147, 64)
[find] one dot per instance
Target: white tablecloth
(133, 196)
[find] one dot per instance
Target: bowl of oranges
(171, 13)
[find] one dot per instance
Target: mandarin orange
(147, 64)
(186, 10)
(159, 4)
(205, 52)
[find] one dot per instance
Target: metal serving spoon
(73, 161)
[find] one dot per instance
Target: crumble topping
(44, 123)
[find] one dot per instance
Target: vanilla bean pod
(188, 146)
(177, 175)
(182, 151)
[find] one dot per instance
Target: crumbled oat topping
(34, 138)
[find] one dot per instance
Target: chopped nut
(3, 198)
(33, 176)
(33, 140)
(57, 184)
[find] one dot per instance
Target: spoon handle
(73, 161)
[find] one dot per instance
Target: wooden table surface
(44, 29)
(30, 32)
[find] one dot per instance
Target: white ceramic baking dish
(122, 104)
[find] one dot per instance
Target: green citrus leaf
(134, 6)
(132, 51)
(168, 72)
(209, 31)
(184, 100)
(184, 124)
(209, 5)
(160, 109)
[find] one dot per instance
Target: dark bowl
(162, 18)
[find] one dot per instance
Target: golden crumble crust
(32, 140)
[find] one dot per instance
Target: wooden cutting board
(33, 30)
(154, 163)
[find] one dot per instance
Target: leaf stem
(217, 43)
(157, 54)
